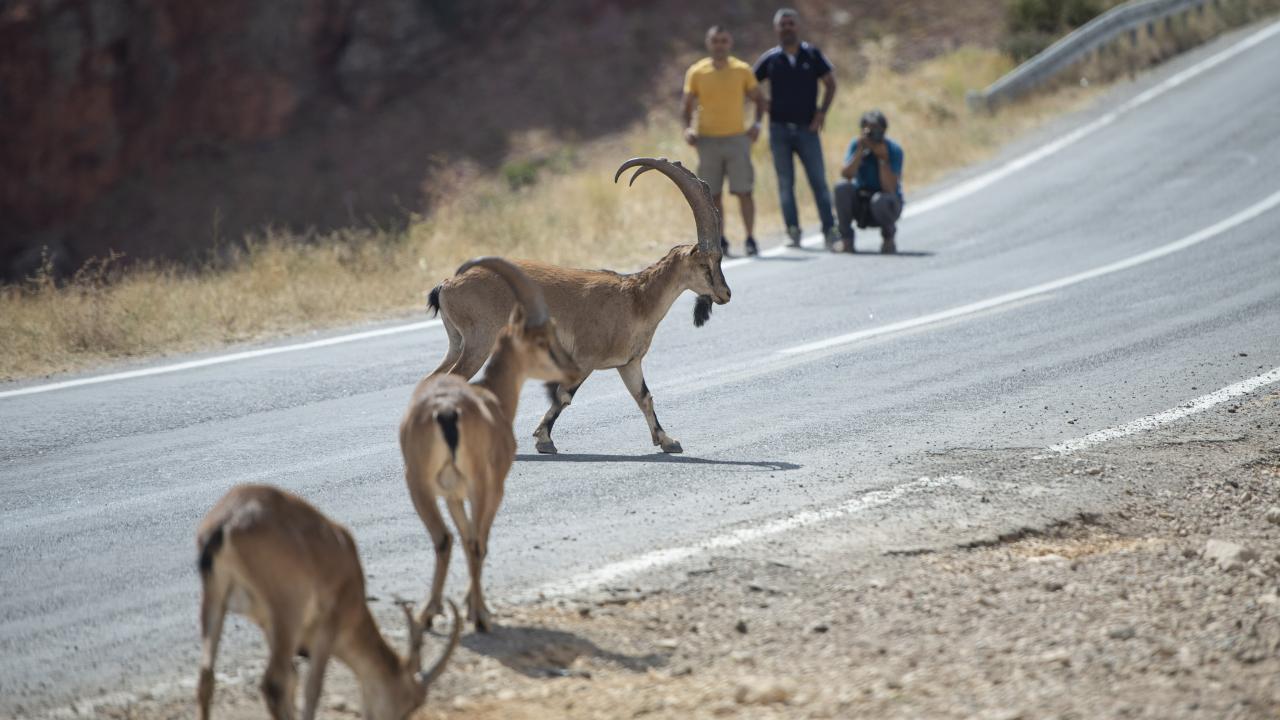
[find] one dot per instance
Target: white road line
(945, 197)
(1151, 422)
(220, 359)
(616, 571)
(1196, 238)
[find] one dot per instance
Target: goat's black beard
(702, 310)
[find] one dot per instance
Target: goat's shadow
(774, 258)
(540, 653)
(656, 458)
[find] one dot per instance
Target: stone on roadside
(764, 691)
(1122, 632)
(1228, 555)
(1273, 515)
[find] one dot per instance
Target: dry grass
(567, 211)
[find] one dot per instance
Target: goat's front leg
(633, 377)
(561, 396)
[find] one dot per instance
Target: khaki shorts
(729, 155)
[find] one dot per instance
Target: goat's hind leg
(213, 610)
(453, 353)
(442, 541)
(561, 396)
(633, 377)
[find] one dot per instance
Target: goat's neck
(658, 286)
(376, 666)
(504, 375)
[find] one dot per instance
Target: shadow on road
(658, 458)
(900, 253)
(539, 652)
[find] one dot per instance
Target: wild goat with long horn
(604, 319)
(271, 556)
(456, 437)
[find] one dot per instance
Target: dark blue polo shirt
(793, 89)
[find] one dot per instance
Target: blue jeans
(788, 138)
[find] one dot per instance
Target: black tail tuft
(702, 310)
(448, 420)
(433, 301)
(211, 546)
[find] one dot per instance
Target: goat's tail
(433, 301)
(448, 422)
(209, 547)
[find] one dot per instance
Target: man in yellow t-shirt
(718, 87)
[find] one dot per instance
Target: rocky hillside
(160, 129)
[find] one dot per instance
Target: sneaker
(724, 246)
(752, 248)
(793, 235)
(829, 238)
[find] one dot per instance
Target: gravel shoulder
(1158, 600)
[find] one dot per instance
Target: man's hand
(881, 150)
(753, 132)
(690, 136)
(819, 119)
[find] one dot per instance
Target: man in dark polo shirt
(794, 69)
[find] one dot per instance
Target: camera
(874, 133)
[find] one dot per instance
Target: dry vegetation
(554, 201)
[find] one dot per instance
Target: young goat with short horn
(604, 319)
(271, 556)
(456, 437)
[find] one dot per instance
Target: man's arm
(828, 95)
(858, 151)
(757, 96)
(688, 103)
(888, 177)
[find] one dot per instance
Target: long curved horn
(526, 291)
(696, 192)
(414, 658)
(425, 679)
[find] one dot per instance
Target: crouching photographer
(871, 193)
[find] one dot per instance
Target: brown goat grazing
(456, 437)
(604, 319)
(271, 556)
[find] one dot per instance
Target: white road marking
(1193, 239)
(1151, 422)
(945, 197)
(220, 359)
(614, 572)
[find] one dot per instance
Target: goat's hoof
(428, 616)
(672, 446)
(546, 447)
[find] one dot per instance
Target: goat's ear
(517, 315)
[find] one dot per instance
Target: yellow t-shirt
(721, 95)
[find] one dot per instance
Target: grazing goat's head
(701, 262)
(530, 328)
(408, 688)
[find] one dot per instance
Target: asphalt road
(101, 486)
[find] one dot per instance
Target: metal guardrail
(1128, 18)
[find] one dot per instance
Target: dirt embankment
(159, 129)
(1164, 605)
